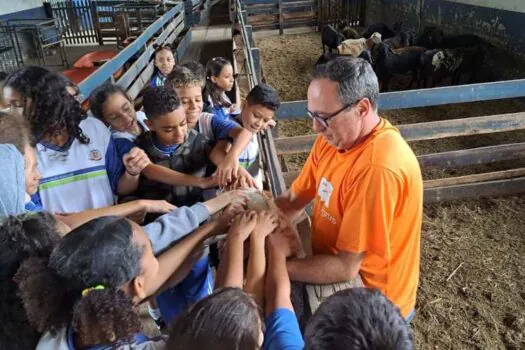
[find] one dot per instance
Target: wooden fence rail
(140, 72)
(425, 131)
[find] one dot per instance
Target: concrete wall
(499, 21)
(21, 9)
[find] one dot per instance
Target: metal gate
(76, 20)
(332, 12)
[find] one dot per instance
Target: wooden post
(249, 31)
(188, 13)
(281, 26)
(256, 54)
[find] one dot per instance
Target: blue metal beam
(105, 72)
(427, 97)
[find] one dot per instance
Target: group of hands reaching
(228, 174)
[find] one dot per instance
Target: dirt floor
(472, 281)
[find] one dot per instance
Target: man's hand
(243, 226)
(135, 161)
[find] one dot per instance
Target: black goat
(401, 39)
(439, 64)
(397, 61)
(328, 56)
(464, 40)
(350, 33)
(331, 38)
(379, 28)
(431, 38)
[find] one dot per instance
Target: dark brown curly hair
(100, 252)
(50, 108)
(21, 237)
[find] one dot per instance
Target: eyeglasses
(324, 120)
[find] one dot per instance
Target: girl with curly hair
(77, 158)
(84, 295)
(21, 237)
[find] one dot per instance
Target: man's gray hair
(355, 77)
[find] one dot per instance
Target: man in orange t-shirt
(366, 185)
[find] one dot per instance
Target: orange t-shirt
(369, 199)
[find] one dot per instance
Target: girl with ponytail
(84, 295)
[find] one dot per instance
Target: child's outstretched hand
(246, 180)
(243, 225)
(227, 170)
(135, 161)
(280, 243)
(266, 224)
(208, 182)
(156, 206)
(231, 211)
(233, 108)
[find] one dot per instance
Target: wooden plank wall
(281, 14)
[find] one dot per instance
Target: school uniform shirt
(249, 159)
(64, 340)
(369, 199)
(125, 141)
(214, 128)
(158, 79)
(223, 112)
(282, 331)
(76, 176)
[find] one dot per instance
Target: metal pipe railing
(269, 152)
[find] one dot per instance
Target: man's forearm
(321, 269)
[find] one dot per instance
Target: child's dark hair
(53, 108)
(101, 252)
(196, 68)
(180, 77)
(228, 319)
(15, 130)
(357, 318)
(3, 76)
(158, 48)
(159, 101)
(100, 96)
(25, 79)
(213, 69)
(21, 237)
(264, 95)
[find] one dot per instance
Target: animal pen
(473, 170)
(439, 189)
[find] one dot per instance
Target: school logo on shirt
(325, 191)
(95, 155)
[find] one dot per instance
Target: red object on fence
(95, 58)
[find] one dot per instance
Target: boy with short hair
(172, 144)
(257, 114)
(358, 318)
(188, 86)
